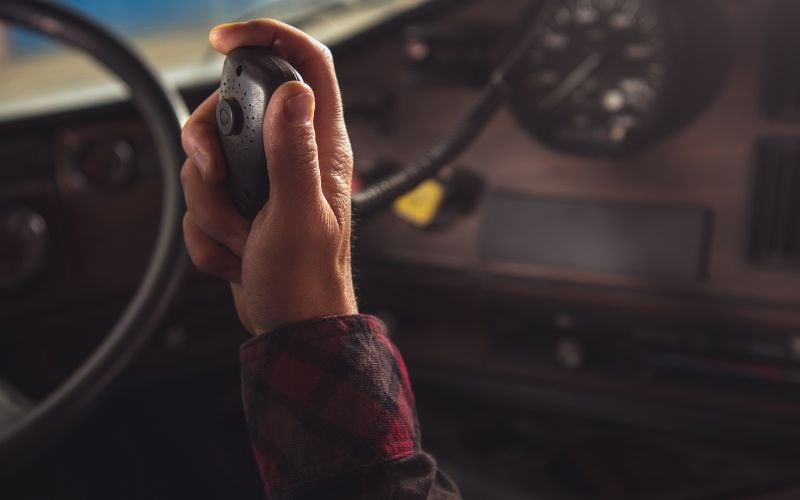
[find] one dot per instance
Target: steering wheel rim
(164, 112)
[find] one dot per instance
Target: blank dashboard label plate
(666, 242)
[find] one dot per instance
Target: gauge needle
(573, 81)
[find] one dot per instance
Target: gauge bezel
(660, 120)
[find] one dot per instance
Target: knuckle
(300, 149)
(203, 254)
(187, 231)
(189, 130)
(322, 229)
(341, 149)
(325, 52)
(341, 205)
(185, 173)
(304, 152)
(206, 218)
(343, 159)
(205, 258)
(218, 225)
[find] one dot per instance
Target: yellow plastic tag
(420, 206)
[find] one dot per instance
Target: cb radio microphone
(249, 78)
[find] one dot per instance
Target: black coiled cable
(383, 192)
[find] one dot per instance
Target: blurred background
(600, 299)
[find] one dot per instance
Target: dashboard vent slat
(775, 229)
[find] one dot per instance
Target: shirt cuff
(326, 397)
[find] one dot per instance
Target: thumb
(291, 146)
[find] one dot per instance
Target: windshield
(40, 76)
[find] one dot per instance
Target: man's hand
(293, 262)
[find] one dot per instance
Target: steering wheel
(27, 426)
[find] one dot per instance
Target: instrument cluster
(608, 76)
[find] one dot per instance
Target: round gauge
(599, 74)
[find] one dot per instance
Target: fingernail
(214, 33)
(225, 26)
(299, 110)
(202, 161)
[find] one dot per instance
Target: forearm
(331, 414)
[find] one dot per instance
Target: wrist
(304, 307)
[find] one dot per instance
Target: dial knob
(23, 247)
(107, 164)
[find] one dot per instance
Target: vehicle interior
(594, 281)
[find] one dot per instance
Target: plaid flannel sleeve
(331, 414)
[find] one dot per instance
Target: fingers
(215, 233)
(291, 148)
(208, 255)
(241, 310)
(211, 210)
(310, 57)
(314, 61)
(201, 143)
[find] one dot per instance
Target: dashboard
(659, 264)
(627, 228)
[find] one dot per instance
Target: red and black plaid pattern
(326, 398)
